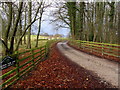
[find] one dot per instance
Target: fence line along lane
(24, 63)
(111, 51)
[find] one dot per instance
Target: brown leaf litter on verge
(59, 72)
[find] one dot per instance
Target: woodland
(88, 21)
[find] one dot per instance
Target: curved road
(105, 69)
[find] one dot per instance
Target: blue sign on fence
(7, 62)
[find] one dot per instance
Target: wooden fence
(100, 49)
(24, 63)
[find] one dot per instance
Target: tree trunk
(8, 27)
(72, 17)
(118, 22)
(111, 23)
(25, 27)
(15, 28)
(29, 21)
(20, 29)
(39, 29)
(81, 19)
(99, 20)
(29, 25)
(4, 48)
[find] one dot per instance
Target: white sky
(46, 27)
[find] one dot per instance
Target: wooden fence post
(32, 52)
(73, 42)
(102, 49)
(46, 49)
(91, 47)
(83, 45)
(80, 44)
(17, 66)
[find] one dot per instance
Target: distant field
(33, 42)
(41, 42)
(23, 47)
(33, 37)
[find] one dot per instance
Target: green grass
(23, 47)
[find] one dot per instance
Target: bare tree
(29, 21)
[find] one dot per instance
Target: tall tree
(118, 22)
(111, 23)
(6, 34)
(43, 6)
(25, 20)
(41, 12)
(72, 17)
(29, 21)
(15, 27)
(100, 17)
(26, 28)
(20, 28)
(81, 19)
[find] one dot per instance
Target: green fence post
(83, 43)
(32, 52)
(90, 46)
(80, 44)
(47, 49)
(102, 49)
(17, 66)
(77, 44)
(72, 42)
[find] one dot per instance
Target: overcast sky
(47, 27)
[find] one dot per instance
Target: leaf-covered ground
(59, 72)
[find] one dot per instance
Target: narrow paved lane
(105, 69)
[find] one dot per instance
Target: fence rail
(102, 49)
(24, 63)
